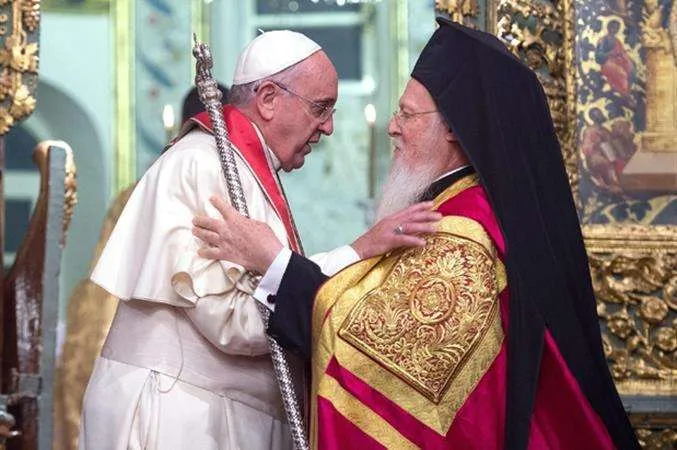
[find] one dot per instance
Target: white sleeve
(270, 282)
(335, 260)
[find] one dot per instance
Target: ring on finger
(399, 229)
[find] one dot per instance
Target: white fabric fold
(128, 408)
(152, 254)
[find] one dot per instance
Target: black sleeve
(290, 322)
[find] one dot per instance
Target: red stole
(246, 142)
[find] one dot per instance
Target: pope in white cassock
(186, 361)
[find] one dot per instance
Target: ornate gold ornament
(536, 32)
(657, 439)
(635, 280)
(31, 14)
(18, 60)
(432, 312)
(461, 11)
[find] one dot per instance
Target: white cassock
(186, 362)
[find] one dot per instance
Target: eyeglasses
(403, 116)
(321, 110)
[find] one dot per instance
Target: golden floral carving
(666, 339)
(653, 310)
(652, 439)
(620, 324)
(19, 55)
(461, 11)
(31, 14)
(18, 61)
(6, 84)
(6, 120)
(431, 312)
(23, 102)
(640, 340)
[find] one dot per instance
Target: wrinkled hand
(247, 242)
(401, 229)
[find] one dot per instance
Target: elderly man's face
(306, 111)
(417, 129)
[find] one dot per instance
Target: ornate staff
(210, 96)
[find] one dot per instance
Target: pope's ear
(266, 99)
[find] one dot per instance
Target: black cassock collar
(437, 187)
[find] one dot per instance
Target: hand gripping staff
(210, 96)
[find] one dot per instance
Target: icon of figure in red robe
(617, 68)
(605, 152)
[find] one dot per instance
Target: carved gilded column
(19, 22)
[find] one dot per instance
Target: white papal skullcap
(272, 52)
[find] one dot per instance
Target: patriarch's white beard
(404, 187)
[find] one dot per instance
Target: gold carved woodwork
(655, 430)
(658, 439)
(40, 157)
(31, 14)
(19, 20)
(461, 11)
(536, 32)
(634, 275)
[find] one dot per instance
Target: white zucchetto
(272, 52)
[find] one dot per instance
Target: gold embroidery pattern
(429, 315)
